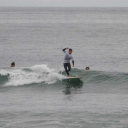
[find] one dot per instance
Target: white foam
(30, 75)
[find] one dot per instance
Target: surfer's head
(70, 51)
(87, 68)
(13, 64)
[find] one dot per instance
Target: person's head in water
(13, 64)
(70, 51)
(87, 68)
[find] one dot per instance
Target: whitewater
(34, 74)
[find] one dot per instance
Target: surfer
(67, 58)
(13, 64)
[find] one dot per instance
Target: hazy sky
(66, 3)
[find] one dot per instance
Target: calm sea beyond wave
(36, 94)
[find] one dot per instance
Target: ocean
(35, 93)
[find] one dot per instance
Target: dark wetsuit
(67, 58)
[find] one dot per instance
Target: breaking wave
(43, 74)
(30, 75)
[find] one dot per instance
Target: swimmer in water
(87, 68)
(13, 64)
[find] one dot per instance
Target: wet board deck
(74, 77)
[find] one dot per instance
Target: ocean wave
(102, 76)
(44, 74)
(30, 75)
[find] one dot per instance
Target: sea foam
(30, 75)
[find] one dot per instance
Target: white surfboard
(73, 77)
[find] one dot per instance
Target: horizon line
(71, 6)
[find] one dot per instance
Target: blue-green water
(36, 94)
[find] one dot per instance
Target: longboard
(73, 77)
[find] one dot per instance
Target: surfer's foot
(68, 76)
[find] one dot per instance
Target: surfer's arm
(72, 61)
(64, 50)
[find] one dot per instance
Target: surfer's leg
(65, 67)
(69, 67)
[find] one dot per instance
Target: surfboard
(73, 77)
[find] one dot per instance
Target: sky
(65, 3)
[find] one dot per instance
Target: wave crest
(30, 75)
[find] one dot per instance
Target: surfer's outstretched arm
(64, 50)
